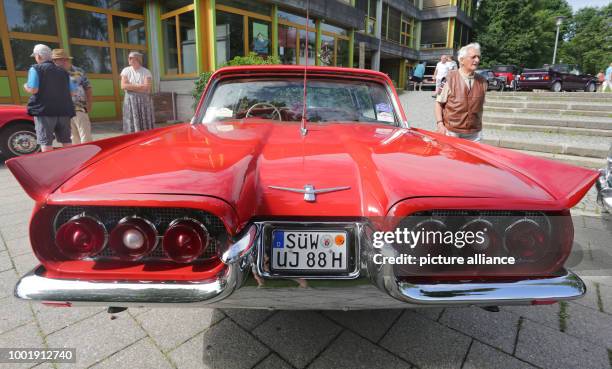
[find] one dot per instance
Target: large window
(240, 32)
(230, 36)
(87, 25)
(292, 41)
(462, 35)
(428, 4)
(2, 60)
(129, 31)
(287, 44)
(369, 8)
(101, 34)
(396, 26)
(22, 49)
(30, 17)
(434, 33)
(29, 23)
(334, 46)
(125, 6)
(92, 59)
(178, 38)
(407, 32)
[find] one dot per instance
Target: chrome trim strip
(244, 247)
(566, 286)
(604, 190)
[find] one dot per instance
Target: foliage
(590, 36)
(520, 32)
(251, 59)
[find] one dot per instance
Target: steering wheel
(264, 104)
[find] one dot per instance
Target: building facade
(183, 38)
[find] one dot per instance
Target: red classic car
(17, 135)
(508, 72)
(282, 196)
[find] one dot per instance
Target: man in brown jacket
(458, 107)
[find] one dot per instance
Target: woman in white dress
(138, 113)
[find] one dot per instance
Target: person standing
(80, 125)
(50, 102)
(601, 77)
(417, 76)
(440, 74)
(459, 106)
(136, 80)
(607, 84)
(452, 65)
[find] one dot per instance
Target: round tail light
(185, 240)
(525, 240)
(133, 237)
(431, 233)
(81, 237)
(482, 236)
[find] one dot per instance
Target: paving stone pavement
(576, 334)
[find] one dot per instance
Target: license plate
(309, 250)
(533, 78)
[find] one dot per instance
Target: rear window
(281, 100)
(503, 68)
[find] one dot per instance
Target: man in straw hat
(50, 103)
(80, 124)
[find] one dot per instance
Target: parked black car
(557, 78)
(495, 83)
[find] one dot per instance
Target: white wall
(184, 101)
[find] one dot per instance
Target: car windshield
(281, 100)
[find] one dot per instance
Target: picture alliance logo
(412, 238)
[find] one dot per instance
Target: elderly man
(80, 124)
(51, 102)
(458, 107)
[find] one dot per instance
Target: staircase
(574, 127)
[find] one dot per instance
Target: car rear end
(507, 73)
(534, 79)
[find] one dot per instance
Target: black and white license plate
(309, 250)
(533, 78)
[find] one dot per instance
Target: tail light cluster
(538, 242)
(133, 234)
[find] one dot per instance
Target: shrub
(251, 59)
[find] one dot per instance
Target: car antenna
(303, 129)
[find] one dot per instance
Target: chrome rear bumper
(238, 286)
(604, 190)
(343, 295)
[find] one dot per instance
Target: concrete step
(577, 94)
(603, 123)
(591, 163)
(551, 96)
(578, 108)
(551, 112)
(549, 129)
(574, 145)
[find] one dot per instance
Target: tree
(589, 41)
(518, 32)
